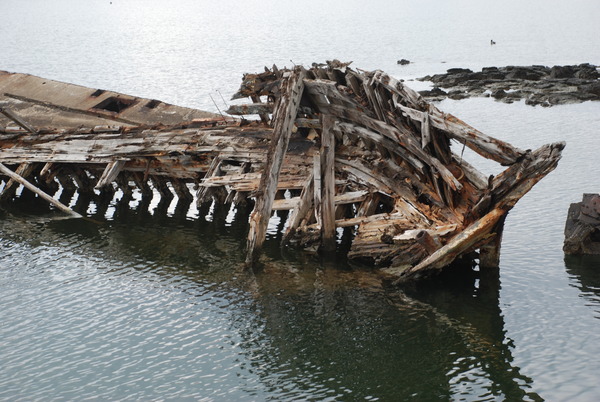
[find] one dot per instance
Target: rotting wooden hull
(335, 147)
(54, 104)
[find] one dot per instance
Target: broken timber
(338, 148)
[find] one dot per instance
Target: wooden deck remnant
(341, 150)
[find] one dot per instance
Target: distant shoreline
(537, 85)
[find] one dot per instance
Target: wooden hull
(335, 147)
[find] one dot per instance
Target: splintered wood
(341, 150)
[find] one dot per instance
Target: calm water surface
(149, 301)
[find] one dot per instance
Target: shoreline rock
(537, 85)
(582, 228)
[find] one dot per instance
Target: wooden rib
(302, 208)
(328, 184)
(425, 130)
(308, 123)
(285, 115)
(370, 93)
(213, 171)
(460, 243)
(250, 108)
(110, 173)
(482, 144)
(181, 189)
(318, 189)
(22, 171)
(402, 137)
(340, 199)
(326, 93)
(17, 178)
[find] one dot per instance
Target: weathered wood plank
(482, 144)
(303, 207)
(250, 108)
(213, 171)
(425, 130)
(308, 123)
(460, 243)
(328, 184)
(318, 189)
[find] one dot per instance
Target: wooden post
(327, 184)
(36, 190)
(284, 117)
(317, 188)
(214, 170)
(110, 173)
(425, 130)
(302, 209)
(489, 254)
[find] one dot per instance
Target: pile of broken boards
(339, 149)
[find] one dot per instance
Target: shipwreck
(339, 149)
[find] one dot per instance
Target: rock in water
(582, 229)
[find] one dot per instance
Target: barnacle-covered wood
(341, 149)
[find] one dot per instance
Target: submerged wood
(14, 176)
(338, 148)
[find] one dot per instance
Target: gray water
(150, 301)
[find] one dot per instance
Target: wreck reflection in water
(297, 329)
(585, 272)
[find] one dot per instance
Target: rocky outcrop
(537, 85)
(582, 230)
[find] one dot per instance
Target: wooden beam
(37, 191)
(377, 107)
(318, 189)
(486, 146)
(23, 170)
(250, 108)
(12, 116)
(213, 171)
(460, 243)
(284, 116)
(300, 211)
(110, 173)
(264, 116)
(308, 123)
(328, 184)
(425, 130)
